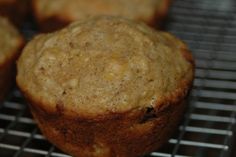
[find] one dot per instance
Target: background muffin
(15, 10)
(106, 86)
(55, 14)
(10, 44)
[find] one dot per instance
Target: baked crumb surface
(103, 65)
(9, 40)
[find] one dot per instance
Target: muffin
(106, 86)
(53, 14)
(10, 45)
(15, 10)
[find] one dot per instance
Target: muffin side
(130, 134)
(110, 50)
(8, 73)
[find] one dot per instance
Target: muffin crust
(106, 86)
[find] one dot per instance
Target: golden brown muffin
(106, 86)
(55, 14)
(15, 10)
(10, 45)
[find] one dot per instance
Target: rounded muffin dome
(103, 65)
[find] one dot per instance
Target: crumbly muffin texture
(9, 40)
(103, 65)
(106, 86)
(144, 10)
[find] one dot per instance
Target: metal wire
(208, 129)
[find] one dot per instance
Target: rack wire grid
(208, 129)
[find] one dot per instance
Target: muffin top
(104, 65)
(9, 41)
(81, 9)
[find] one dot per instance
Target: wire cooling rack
(208, 129)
